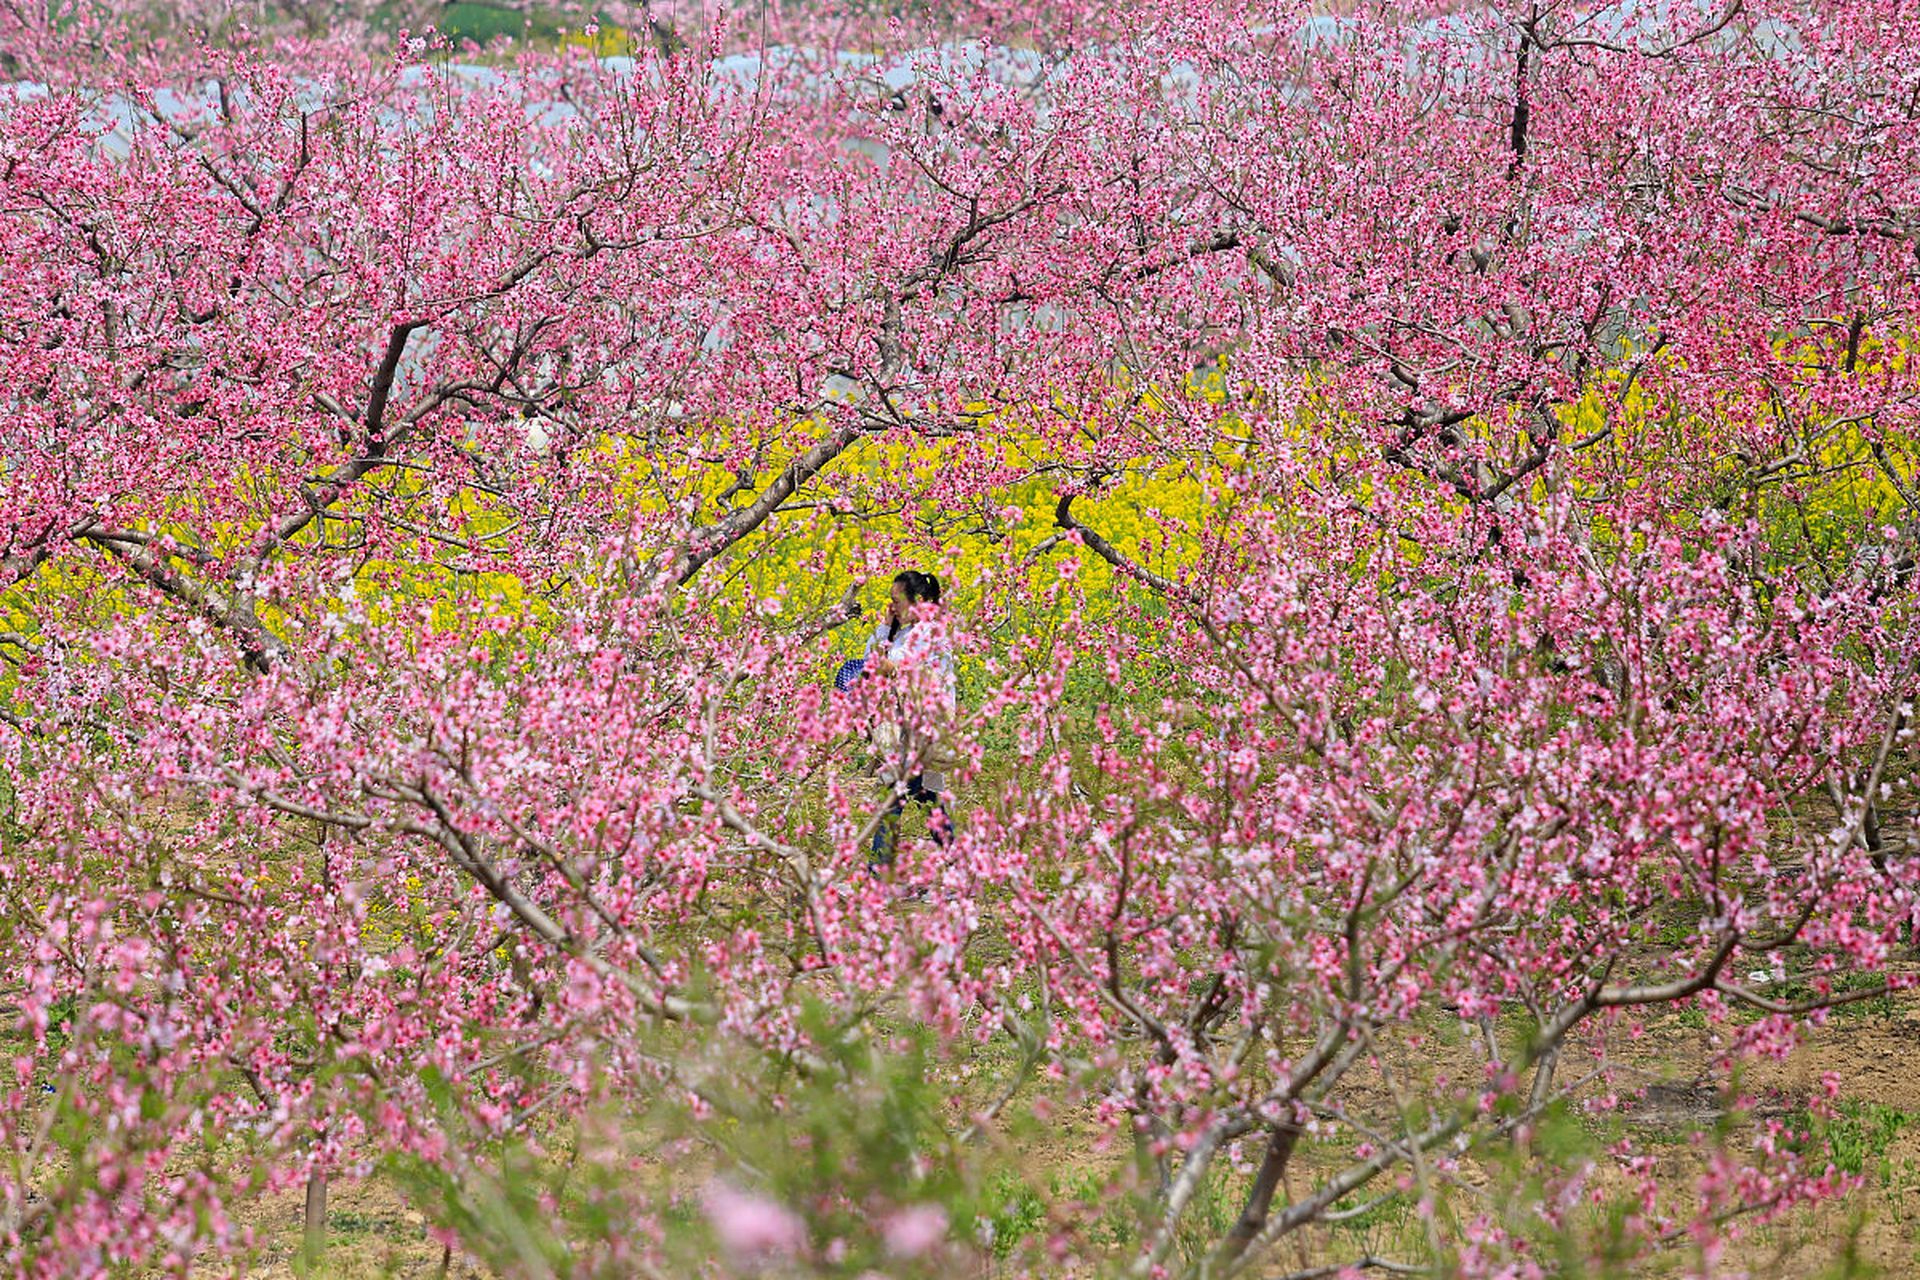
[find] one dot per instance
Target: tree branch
(711, 541)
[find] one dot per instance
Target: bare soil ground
(374, 1232)
(1877, 1063)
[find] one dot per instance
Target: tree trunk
(1253, 1217)
(313, 1241)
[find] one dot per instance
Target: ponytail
(922, 588)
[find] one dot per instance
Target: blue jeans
(887, 835)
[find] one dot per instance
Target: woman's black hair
(922, 588)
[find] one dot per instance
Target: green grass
(1857, 1137)
(1020, 1215)
(483, 22)
(1387, 1211)
(350, 1222)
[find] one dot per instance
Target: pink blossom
(912, 1231)
(1379, 454)
(750, 1225)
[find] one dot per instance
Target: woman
(910, 637)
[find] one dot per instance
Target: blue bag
(849, 672)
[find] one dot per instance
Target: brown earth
(374, 1232)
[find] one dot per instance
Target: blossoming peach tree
(428, 485)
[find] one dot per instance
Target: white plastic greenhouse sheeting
(1467, 43)
(116, 118)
